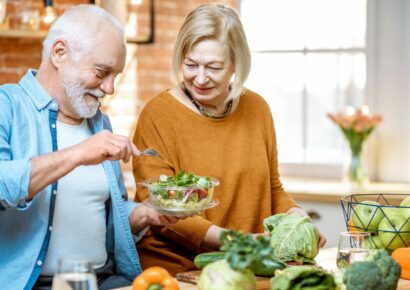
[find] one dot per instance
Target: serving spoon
(151, 152)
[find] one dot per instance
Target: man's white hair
(78, 26)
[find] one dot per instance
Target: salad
(182, 191)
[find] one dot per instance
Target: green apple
(367, 216)
(394, 231)
(373, 242)
(388, 210)
(405, 207)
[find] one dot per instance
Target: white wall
(389, 87)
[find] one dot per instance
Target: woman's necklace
(205, 112)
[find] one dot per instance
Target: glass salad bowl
(182, 194)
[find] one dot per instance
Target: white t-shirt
(79, 226)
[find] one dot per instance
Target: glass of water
(74, 274)
(352, 247)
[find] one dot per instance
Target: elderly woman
(210, 125)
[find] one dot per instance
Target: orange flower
(356, 125)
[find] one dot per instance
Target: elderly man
(61, 189)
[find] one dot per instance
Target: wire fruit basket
(385, 216)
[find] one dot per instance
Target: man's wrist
(73, 156)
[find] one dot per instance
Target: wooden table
(326, 259)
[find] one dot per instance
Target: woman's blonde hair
(216, 22)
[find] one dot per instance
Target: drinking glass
(74, 274)
(352, 247)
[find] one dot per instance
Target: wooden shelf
(41, 34)
(15, 33)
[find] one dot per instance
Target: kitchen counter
(328, 190)
(320, 198)
(326, 259)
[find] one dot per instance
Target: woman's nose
(202, 76)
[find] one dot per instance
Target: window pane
(279, 78)
(333, 81)
(296, 24)
(325, 83)
(336, 24)
(273, 24)
(323, 70)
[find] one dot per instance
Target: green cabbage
(293, 238)
(220, 276)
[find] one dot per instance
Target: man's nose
(107, 86)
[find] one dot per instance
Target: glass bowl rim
(147, 183)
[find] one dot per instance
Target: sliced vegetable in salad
(183, 190)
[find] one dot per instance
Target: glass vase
(355, 169)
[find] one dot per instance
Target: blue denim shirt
(27, 129)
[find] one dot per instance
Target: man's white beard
(76, 94)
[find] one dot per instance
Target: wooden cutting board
(262, 283)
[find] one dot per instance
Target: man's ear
(59, 52)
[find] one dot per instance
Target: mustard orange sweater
(239, 150)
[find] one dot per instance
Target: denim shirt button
(50, 228)
(55, 191)
(39, 262)
(53, 126)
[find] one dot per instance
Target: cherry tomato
(171, 192)
(202, 193)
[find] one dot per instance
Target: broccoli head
(364, 276)
(390, 268)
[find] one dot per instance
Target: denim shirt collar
(34, 90)
(41, 99)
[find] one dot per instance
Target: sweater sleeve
(281, 200)
(188, 232)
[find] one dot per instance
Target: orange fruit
(351, 227)
(402, 257)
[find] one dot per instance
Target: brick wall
(19, 54)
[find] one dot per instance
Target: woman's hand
(142, 216)
(157, 219)
(302, 213)
(265, 234)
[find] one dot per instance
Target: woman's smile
(201, 90)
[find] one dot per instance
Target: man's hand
(143, 216)
(104, 146)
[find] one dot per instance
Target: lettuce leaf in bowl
(293, 238)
